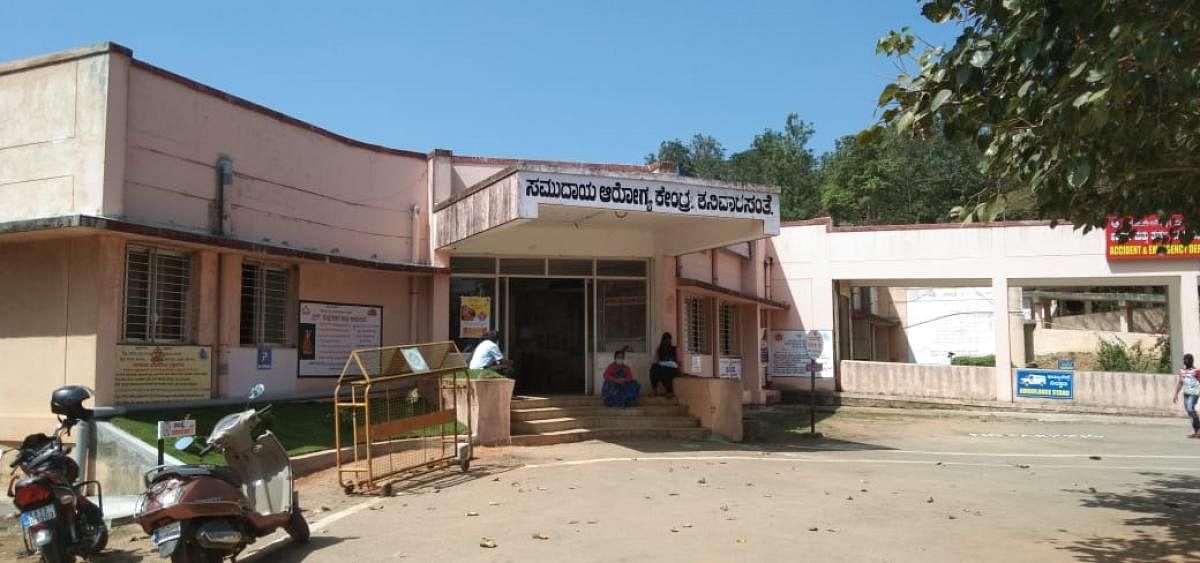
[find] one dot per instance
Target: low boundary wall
(1128, 393)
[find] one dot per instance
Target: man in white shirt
(487, 354)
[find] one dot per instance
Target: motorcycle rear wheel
(297, 527)
(93, 528)
(55, 553)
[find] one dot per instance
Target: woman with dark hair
(620, 388)
(1189, 383)
(665, 367)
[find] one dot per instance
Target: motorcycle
(205, 513)
(58, 520)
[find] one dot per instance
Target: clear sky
(594, 81)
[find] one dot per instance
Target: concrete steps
(539, 421)
(598, 422)
(582, 434)
(542, 413)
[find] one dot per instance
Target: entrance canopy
(561, 211)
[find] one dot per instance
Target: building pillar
(1183, 301)
(1016, 326)
(229, 316)
(1126, 316)
(1001, 327)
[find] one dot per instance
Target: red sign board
(1150, 238)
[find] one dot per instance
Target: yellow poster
(475, 316)
(154, 374)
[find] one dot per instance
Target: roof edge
(128, 227)
(827, 222)
(38, 61)
(279, 116)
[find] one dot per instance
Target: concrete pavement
(884, 486)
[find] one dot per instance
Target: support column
(1000, 326)
(1184, 311)
(439, 298)
(229, 317)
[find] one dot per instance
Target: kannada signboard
(176, 428)
(790, 355)
(475, 315)
(1045, 383)
(330, 331)
(730, 368)
(650, 196)
(1150, 238)
(155, 374)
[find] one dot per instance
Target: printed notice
(156, 374)
(330, 331)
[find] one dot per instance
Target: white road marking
(319, 525)
(794, 460)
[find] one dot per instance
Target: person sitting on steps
(665, 367)
(620, 388)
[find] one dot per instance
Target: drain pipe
(415, 256)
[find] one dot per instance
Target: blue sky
(594, 81)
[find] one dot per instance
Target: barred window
(622, 315)
(158, 286)
(728, 331)
(266, 294)
(695, 311)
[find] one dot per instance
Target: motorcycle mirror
(184, 443)
(256, 391)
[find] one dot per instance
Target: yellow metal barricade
(399, 411)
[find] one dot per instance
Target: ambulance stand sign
(1045, 384)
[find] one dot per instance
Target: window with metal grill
(695, 311)
(158, 286)
(266, 292)
(728, 331)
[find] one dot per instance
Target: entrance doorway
(546, 334)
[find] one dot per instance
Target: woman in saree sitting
(620, 388)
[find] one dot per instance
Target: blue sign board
(1066, 363)
(1046, 383)
(264, 357)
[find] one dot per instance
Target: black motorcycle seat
(192, 471)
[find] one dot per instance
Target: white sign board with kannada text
(730, 368)
(650, 196)
(176, 428)
(330, 331)
(790, 355)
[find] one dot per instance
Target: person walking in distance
(1189, 383)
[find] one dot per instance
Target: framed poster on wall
(790, 355)
(330, 331)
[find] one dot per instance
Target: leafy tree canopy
(1090, 104)
(901, 179)
(775, 158)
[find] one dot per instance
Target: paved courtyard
(882, 486)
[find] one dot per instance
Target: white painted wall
(943, 320)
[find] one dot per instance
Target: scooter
(58, 520)
(205, 513)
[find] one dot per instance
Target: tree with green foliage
(782, 158)
(702, 156)
(1090, 104)
(775, 158)
(904, 180)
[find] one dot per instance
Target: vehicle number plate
(37, 516)
(166, 533)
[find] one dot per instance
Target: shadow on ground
(770, 429)
(291, 551)
(440, 477)
(1166, 528)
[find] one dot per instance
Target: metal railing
(399, 411)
